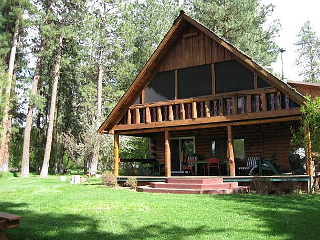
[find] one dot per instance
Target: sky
(292, 15)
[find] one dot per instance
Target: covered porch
(232, 143)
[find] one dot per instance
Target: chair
(252, 164)
(213, 163)
(270, 165)
(189, 166)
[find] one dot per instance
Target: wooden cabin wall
(194, 50)
(260, 140)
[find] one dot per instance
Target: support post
(116, 155)
(309, 162)
(231, 152)
(167, 153)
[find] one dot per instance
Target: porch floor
(273, 178)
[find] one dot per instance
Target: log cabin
(198, 94)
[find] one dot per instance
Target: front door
(181, 148)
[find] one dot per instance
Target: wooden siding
(194, 50)
(307, 88)
(260, 140)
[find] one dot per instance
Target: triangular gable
(164, 50)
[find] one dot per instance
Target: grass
(52, 209)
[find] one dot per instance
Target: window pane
(161, 88)
(232, 76)
(194, 81)
(239, 148)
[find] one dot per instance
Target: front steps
(194, 186)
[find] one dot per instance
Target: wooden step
(194, 186)
(193, 191)
(194, 180)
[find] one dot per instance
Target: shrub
(108, 179)
(131, 182)
(262, 186)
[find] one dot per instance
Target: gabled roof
(147, 72)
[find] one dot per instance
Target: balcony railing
(209, 106)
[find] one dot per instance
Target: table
(205, 163)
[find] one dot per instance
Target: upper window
(194, 81)
(161, 88)
(232, 76)
(262, 83)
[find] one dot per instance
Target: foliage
(310, 112)
(308, 49)
(131, 182)
(264, 186)
(242, 23)
(108, 179)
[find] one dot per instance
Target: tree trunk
(45, 164)
(4, 165)
(27, 130)
(95, 157)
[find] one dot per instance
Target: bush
(131, 182)
(108, 179)
(262, 186)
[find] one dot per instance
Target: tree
(242, 23)
(6, 121)
(308, 49)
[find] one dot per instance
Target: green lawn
(52, 209)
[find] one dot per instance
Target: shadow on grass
(65, 226)
(292, 216)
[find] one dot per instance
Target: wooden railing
(210, 106)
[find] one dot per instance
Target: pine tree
(308, 49)
(240, 22)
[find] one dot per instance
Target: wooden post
(129, 117)
(255, 81)
(231, 152)
(194, 110)
(279, 100)
(116, 155)
(264, 101)
(171, 118)
(213, 79)
(309, 162)
(249, 104)
(176, 84)
(137, 116)
(207, 108)
(167, 153)
(182, 111)
(234, 105)
(159, 114)
(148, 115)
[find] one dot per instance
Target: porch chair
(213, 163)
(188, 167)
(252, 164)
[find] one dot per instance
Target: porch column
(232, 167)
(167, 153)
(309, 162)
(116, 155)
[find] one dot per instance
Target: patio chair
(270, 165)
(213, 163)
(252, 164)
(188, 167)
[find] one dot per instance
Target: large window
(239, 148)
(194, 81)
(161, 88)
(232, 76)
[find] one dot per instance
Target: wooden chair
(188, 167)
(213, 163)
(252, 164)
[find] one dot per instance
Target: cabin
(200, 97)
